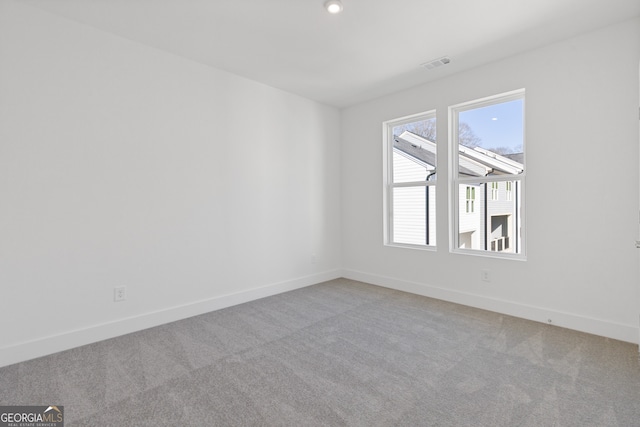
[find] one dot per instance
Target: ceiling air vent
(436, 63)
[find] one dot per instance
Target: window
(487, 149)
(410, 190)
(494, 191)
(486, 178)
(471, 199)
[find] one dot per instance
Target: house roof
(474, 161)
(518, 157)
(498, 164)
(418, 148)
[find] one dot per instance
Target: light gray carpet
(341, 353)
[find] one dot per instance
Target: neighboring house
(488, 213)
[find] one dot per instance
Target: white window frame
(455, 181)
(389, 185)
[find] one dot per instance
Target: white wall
(581, 195)
(124, 165)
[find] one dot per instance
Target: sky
(498, 125)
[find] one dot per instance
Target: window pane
(485, 223)
(414, 151)
(414, 220)
(489, 173)
(491, 139)
(410, 155)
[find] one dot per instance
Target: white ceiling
(371, 49)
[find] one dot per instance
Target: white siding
(410, 203)
(471, 222)
(503, 209)
(409, 220)
(407, 170)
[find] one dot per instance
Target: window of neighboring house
(487, 148)
(471, 199)
(410, 176)
(494, 191)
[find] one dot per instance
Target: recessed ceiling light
(333, 6)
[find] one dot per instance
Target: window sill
(490, 254)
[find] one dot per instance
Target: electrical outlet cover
(119, 293)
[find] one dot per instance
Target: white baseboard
(55, 343)
(604, 328)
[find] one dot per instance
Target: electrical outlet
(119, 293)
(485, 275)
